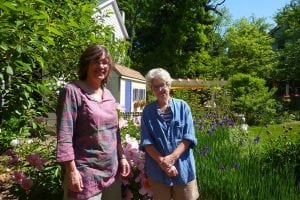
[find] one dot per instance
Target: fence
(129, 115)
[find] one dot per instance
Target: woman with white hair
(168, 139)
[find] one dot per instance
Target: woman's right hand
(172, 171)
(74, 181)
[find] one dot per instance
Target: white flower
(134, 144)
(15, 142)
(120, 108)
(29, 141)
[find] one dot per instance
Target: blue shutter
(127, 96)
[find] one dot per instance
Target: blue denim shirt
(166, 137)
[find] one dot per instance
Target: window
(139, 94)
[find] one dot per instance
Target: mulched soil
(5, 185)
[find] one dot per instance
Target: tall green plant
(250, 96)
(41, 41)
(230, 166)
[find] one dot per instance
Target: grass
(292, 129)
(230, 164)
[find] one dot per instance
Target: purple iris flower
(256, 140)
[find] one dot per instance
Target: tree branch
(214, 8)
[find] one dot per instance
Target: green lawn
(288, 129)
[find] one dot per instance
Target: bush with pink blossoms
(136, 185)
(34, 171)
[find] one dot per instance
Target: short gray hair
(158, 73)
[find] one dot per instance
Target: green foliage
(249, 50)
(281, 144)
(287, 41)
(42, 169)
(250, 96)
(193, 98)
(210, 100)
(132, 129)
(12, 131)
(230, 166)
(157, 41)
(283, 151)
(41, 42)
(20, 128)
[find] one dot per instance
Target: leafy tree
(170, 34)
(217, 46)
(287, 41)
(250, 96)
(40, 42)
(249, 49)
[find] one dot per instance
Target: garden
(256, 156)
(232, 163)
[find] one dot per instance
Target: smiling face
(161, 90)
(94, 65)
(98, 69)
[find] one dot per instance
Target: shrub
(41, 42)
(250, 96)
(35, 173)
(136, 185)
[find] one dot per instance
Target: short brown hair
(93, 53)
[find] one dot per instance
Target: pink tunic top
(88, 132)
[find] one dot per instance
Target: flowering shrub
(136, 185)
(34, 171)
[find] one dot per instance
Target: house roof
(120, 18)
(196, 83)
(131, 73)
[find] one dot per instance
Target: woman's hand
(172, 171)
(124, 167)
(167, 165)
(167, 161)
(74, 179)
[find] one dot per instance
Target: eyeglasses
(160, 86)
(100, 62)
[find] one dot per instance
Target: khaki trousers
(176, 192)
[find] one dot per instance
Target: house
(128, 87)
(113, 17)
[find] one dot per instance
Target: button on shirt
(166, 137)
(88, 134)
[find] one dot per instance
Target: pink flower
(131, 141)
(13, 160)
(140, 164)
(10, 152)
(123, 123)
(26, 183)
(120, 107)
(145, 189)
(36, 160)
(18, 176)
